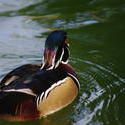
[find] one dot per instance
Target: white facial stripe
(66, 62)
(59, 59)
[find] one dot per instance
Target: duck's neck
(45, 66)
(53, 59)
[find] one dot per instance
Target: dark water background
(96, 31)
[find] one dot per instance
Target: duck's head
(56, 50)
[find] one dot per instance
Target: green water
(96, 32)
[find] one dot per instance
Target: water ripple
(103, 69)
(101, 89)
(73, 24)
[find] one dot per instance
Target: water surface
(96, 36)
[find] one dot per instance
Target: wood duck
(31, 91)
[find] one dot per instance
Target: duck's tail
(15, 106)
